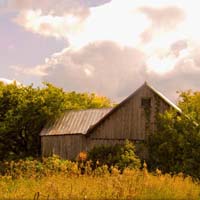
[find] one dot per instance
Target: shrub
(121, 156)
(175, 147)
(30, 168)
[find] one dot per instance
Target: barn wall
(130, 120)
(66, 146)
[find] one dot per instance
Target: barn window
(146, 102)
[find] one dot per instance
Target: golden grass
(132, 184)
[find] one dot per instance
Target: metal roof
(75, 122)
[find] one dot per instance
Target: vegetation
(60, 179)
(24, 110)
(107, 172)
(176, 146)
(121, 156)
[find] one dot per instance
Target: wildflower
(158, 172)
(82, 156)
(145, 171)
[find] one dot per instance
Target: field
(54, 180)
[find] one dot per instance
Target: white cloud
(115, 71)
(38, 70)
(53, 7)
(116, 46)
(117, 22)
(102, 67)
(49, 25)
(163, 19)
(8, 81)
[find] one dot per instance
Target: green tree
(24, 110)
(176, 145)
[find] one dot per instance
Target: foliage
(79, 101)
(122, 156)
(24, 110)
(33, 168)
(176, 146)
(62, 180)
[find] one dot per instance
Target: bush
(121, 156)
(175, 147)
(32, 168)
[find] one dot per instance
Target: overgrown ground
(56, 179)
(132, 185)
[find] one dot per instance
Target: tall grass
(101, 183)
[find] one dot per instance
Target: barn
(133, 119)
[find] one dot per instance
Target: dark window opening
(146, 102)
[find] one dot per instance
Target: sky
(109, 47)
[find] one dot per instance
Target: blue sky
(102, 46)
(19, 47)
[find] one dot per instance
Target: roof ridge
(88, 109)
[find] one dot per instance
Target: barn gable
(133, 119)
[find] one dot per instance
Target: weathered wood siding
(129, 121)
(66, 146)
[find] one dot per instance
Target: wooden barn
(133, 119)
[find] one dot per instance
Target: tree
(24, 110)
(176, 145)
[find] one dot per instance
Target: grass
(53, 178)
(132, 184)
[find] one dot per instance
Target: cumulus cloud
(117, 46)
(162, 19)
(80, 28)
(49, 25)
(73, 7)
(119, 17)
(50, 17)
(178, 46)
(116, 71)
(79, 8)
(8, 81)
(183, 76)
(102, 67)
(38, 70)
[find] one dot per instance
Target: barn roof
(74, 122)
(170, 103)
